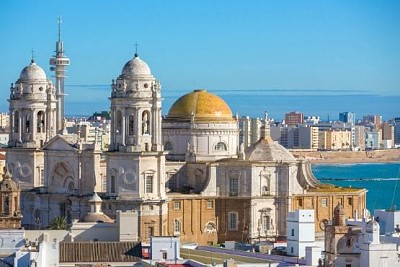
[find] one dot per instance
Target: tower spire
(32, 55)
(136, 49)
(59, 28)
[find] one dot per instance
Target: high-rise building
(372, 120)
(348, 117)
(294, 118)
(387, 132)
(397, 131)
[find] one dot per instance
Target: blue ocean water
(381, 179)
(86, 99)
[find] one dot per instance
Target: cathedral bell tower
(32, 123)
(10, 213)
(136, 109)
(32, 108)
(136, 160)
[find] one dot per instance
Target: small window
(168, 146)
(299, 202)
(177, 227)
(292, 232)
(164, 255)
(324, 203)
(210, 204)
(233, 186)
(149, 184)
(233, 221)
(291, 250)
(150, 231)
(177, 205)
(350, 201)
(220, 146)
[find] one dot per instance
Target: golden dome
(204, 106)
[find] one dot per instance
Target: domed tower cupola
(136, 109)
(32, 106)
(10, 213)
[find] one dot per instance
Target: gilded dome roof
(200, 105)
(136, 68)
(32, 72)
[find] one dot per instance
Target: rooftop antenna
(136, 48)
(59, 28)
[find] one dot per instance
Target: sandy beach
(390, 155)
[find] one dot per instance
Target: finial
(59, 20)
(32, 56)
(265, 115)
(136, 49)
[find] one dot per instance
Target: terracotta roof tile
(100, 251)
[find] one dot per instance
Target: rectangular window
(299, 202)
(164, 255)
(177, 227)
(266, 222)
(232, 221)
(324, 203)
(210, 204)
(292, 232)
(41, 177)
(150, 231)
(233, 186)
(177, 205)
(149, 184)
(112, 184)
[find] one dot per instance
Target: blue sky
(224, 45)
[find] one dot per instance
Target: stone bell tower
(135, 160)
(10, 213)
(32, 123)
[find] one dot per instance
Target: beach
(334, 157)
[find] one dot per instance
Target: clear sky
(301, 45)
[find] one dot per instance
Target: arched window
(27, 123)
(220, 146)
(131, 125)
(119, 121)
(40, 122)
(177, 226)
(112, 181)
(265, 190)
(16, 122)
(145, 122)
(6, 205)
(168, 146)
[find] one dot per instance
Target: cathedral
(185, 174)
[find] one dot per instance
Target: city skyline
(310, 47)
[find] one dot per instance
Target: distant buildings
(294, 118)
(348, 117)
(397, 131)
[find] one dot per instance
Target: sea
(382, 180)
(86, 99)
